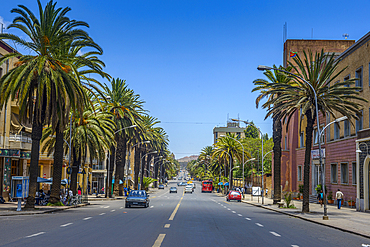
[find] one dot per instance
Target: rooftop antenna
(345, 35)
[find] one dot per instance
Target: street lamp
(325, 217)
(263, 68)
(141, 165)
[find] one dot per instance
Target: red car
(234, 195)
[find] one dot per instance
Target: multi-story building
(231, 128)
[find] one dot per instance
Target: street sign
(69, 170)
(256, 191)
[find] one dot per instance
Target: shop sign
(10, 153)
(315, 153)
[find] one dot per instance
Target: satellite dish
(346, 35)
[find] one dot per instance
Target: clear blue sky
(194, 61)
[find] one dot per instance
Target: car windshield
(137, 193)
(173, 188)
(234, 193)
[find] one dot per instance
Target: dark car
(161, 187)
(137, 198)
(173, 189)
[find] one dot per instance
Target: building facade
(231, 128)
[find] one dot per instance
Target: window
(344, 173)
(359, 123)
(354, 173)
(334, 174)
(301, 112)
(346, 79)
(316, 137)
(347, 130)
(328, 128)
(301, 139)
(336, 131)
(286, 143)
(299, 173)
(359, 77)
(1, 72)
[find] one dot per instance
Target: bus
(207, 186)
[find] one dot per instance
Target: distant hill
(188, 158)
(184, 161)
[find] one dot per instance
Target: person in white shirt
(339, 195)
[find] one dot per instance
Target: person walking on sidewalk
(339, 195)
(320, 197)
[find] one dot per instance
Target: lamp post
(325, 217)
(129, 155)
(141, 165)
(263, 68)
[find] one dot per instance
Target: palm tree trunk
(277, 129)
(156, 174)
(37, 122)
(307, 161)
(143, 162)
(231, 172)
(120, 165)
(136, 168)
(58, 164)
(110, 172)
(76, 154)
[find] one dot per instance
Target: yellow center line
(177, 207)
(227, 202)
(159, 240)
(167, 225)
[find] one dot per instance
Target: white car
(189, 188)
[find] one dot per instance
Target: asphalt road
(196, 219)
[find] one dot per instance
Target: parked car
(188, 189)
(234, 195)
(161, 187)
(137, 198)
(173, 190)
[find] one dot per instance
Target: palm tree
(228, 148)
(42, 82)
(320, 71)
(126, 108)
(265, 88)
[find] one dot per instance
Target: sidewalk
(345, 219)
(10, 208)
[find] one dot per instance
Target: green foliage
(147, 181)
(301, 188)
(251, 131)
(55, 204)
(330, 195)
(288, 199)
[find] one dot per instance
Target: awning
(220, 183)
(226, 184)
(44, 180)
(120, 181)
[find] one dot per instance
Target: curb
(306, 219)
(45, 212)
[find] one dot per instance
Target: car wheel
(239, 200)
(126, 206)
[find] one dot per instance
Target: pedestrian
(267, 191)
(79, 190)
(320, 197)
(339, 195)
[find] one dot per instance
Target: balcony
(21, 141)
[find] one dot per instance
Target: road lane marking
(87, 218)
(120, 207)
(151, 206)
(106, 206)
(102, 214)
(233, 212)
(66, 224)
(228, 209)
(177, 207)
(159, 240)
(240, 215)
(247, 219)
(153, 197)
(113, 210)
(295, 245)
(36, 234)
(227, 202)
(167, 225)
(258, 224)
(275, 234)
